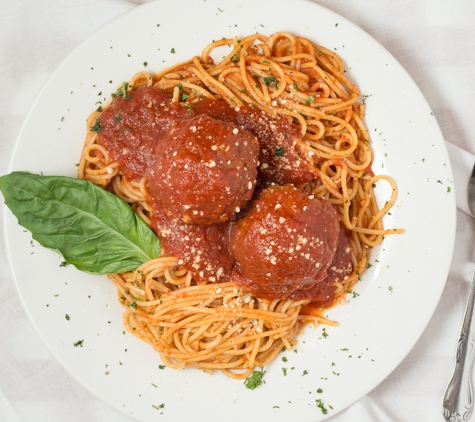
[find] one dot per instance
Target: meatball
(203, 249)
(131, 128)
(285, 243)
(205, 170)
(321, 294)
(283, 157)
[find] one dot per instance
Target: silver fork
(458, 396)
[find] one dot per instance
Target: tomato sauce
(222, 188)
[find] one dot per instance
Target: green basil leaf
(93, 229)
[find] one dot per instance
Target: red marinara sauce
(223, 185)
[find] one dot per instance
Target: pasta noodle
(221, 326)
(206, 326)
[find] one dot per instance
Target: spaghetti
(220, 326)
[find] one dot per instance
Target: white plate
(397, 296)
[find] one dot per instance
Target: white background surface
(433, 40)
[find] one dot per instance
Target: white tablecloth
(433, 39)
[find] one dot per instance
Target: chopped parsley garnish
(255, 380)
(305, 372)
(78, 343)
(284, 359)
(63, 264)
(67, 317)
(284, 370)
(319, 391)
(270, 80)
(172, 51)
(321, 405)
(310, 99)
(122, 92)
(145, 64)
(189, 107)
(161, 366)
(118, 118)
(97, 126)
(184, 96)
(280, 151)
(235, 58)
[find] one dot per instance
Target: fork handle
(458, 396)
